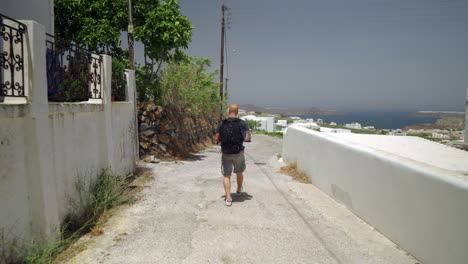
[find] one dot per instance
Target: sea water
(378, 119)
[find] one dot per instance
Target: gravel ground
(182, 219)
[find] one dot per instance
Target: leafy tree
(160, 26)
(94, 23)
(164, 32)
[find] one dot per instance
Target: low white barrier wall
(422, 209)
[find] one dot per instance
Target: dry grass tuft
(72, 251)
(96, 231)
(104, 217)
(297, 175)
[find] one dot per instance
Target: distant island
(303, 111)
(438, 113)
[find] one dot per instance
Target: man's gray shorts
(230, 160)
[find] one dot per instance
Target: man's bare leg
(227, 187)
(240, 181)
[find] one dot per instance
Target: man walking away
(232, 132)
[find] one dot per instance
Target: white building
(297, 121)
(265, 123)
(283, 123)
(320, 121)
(332, 124)
(369, 127)
(440, 136)
(307, 125)
(354, 125)
(334, 130)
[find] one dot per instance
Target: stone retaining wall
(172, 132)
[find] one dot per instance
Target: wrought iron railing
(119, 84)
(12, 34)
(73, 72)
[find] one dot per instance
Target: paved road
(183, 219)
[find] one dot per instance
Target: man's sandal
(228, 202)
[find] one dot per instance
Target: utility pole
(221, 67)
(130, 35)
(132, 67)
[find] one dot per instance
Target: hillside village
(452, 135)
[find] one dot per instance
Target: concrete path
(183, 219)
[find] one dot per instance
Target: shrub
(253, 125)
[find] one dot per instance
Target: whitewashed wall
(46, 149)
(422, 209)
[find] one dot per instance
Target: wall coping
(449, 176)
(74, 108)
(14, 110)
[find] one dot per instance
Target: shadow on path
(239, 199)
(194, 157)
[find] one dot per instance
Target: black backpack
(231, 136)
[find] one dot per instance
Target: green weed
(273, 134)
(106, 192)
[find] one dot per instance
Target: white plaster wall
(47, 149)
(78, 151)
(123, 128)
(40, 168)
(14, 213)
(420, 208)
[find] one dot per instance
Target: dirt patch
(143, 174)
(74, 249)
(136, 189)
(297, 175)
(120, 237)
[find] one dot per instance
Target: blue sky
(339, 54)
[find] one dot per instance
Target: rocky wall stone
(173, 132)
